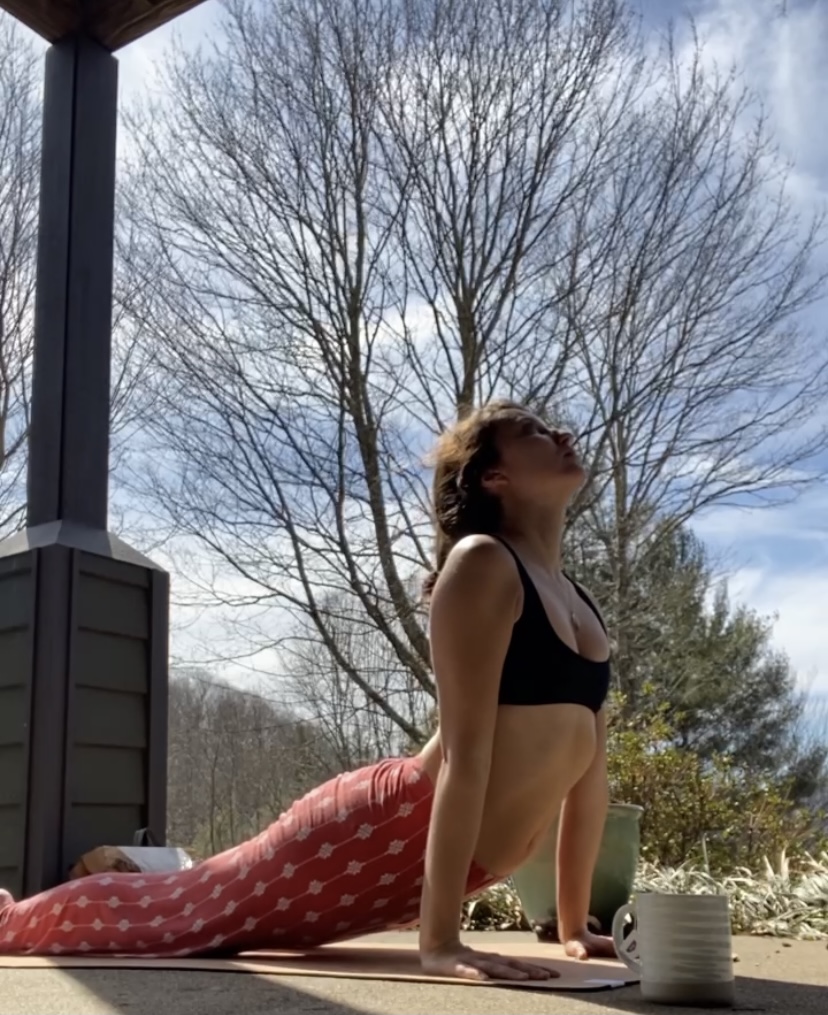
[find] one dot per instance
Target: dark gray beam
(112, 23)
(69, 440)
(116, 23)
(50, 18)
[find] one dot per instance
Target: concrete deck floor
(772, 977)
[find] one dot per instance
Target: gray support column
(83, 617)
(69, 443)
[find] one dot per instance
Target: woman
(520, 657)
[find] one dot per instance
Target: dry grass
(780, 901)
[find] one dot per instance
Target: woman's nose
(563, 437)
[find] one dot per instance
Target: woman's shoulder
(481, 553)
(478, 568)
(478, 590)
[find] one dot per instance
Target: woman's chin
(575, 473)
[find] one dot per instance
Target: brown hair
(461, 506)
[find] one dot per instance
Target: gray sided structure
(83, 617)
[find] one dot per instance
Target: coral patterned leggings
(346, 859)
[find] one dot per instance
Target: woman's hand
(587, 945)
(466, 964)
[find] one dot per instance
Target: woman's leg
(344, 860)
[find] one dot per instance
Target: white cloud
(797, 599)
(779, 49)
(773, 533)
(139, 61)
(778, 558)
(776, 561)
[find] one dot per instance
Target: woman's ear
(493, 480)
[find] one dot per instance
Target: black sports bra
(540, 668)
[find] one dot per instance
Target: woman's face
(537, 463)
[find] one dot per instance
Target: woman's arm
(472, 614)
(579, 841)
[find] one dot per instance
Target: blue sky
(780, 557)
(777, 560)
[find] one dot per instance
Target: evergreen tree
(710, 665)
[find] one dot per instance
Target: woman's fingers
(491, 969)
(466, 972)
(503, 967)
(533, 970)
(537, 972)
(468, 964)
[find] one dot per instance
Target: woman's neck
(540, 537)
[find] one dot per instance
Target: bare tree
(357, 219)
(19, 177)
(701, 385)
(236, 761)
(372, 710)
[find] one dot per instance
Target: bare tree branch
(19, 177)
(356, 220)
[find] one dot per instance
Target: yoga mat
(360, 962)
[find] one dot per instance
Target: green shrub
(704, 811)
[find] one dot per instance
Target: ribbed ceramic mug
(680, 947)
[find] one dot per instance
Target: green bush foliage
(704, 810)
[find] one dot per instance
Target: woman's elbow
(466, 768)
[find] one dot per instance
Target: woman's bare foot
(587, 945)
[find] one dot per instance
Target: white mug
(680, 948)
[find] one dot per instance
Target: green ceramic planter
(612, 882)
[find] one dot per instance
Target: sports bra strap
(587, 599)
(525, 578)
